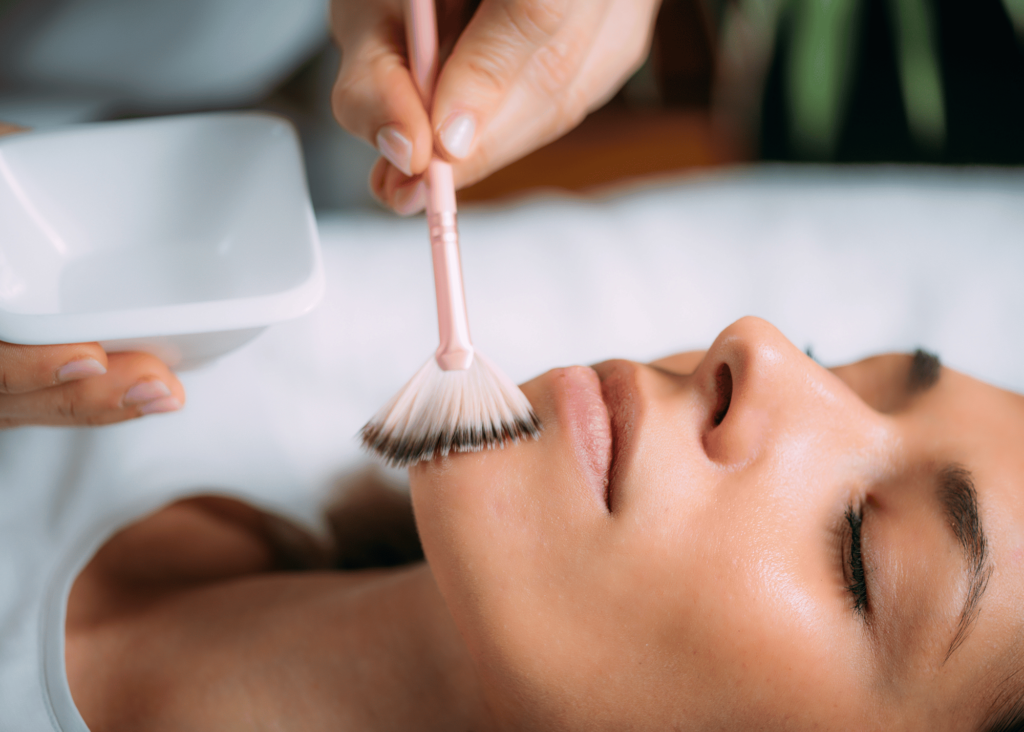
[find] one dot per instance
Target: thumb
(487, 62)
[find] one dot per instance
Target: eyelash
(858, 588)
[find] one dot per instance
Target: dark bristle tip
(402, 452)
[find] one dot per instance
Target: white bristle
(438, 412)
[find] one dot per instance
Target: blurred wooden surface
(615, 145)
(661, 123)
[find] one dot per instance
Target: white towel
(850, 262)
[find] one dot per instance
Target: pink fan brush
(458, 401)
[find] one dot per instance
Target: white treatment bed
(849, 262)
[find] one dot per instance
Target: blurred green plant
(822, 54)
(920, 78)
(822, 47)
(819, 42)
(1015, 9)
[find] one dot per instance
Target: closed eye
(854, 563)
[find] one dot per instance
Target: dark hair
(1008, 709)
(1011, 722)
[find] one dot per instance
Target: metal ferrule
(456, 349)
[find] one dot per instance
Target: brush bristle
(439, 412)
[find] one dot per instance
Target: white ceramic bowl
(182, 236)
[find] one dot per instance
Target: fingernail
(167, 404)
(457, 134)
(411, 199)
(80, 369)
(396, 147)
(146, 391)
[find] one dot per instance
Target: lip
(622, 397)
(582, 410)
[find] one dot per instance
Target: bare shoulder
(192, 541)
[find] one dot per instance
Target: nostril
(723, 387)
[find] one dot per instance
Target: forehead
(943, 411)
(981, 427)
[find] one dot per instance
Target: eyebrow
(960, 507)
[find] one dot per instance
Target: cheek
(515, 562)
(472, 510)
(750, 635)
(501, 528)
(511, 512)
(737, 583)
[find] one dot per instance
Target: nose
(764, 392)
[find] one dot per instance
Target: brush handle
(455, 353)
(421, 42)
(456, 349)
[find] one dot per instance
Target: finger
(135, 384)
(28, 368)
(374, 96)
(490, 55)
(618, 45)
(9, 129)
(377, 173)
(628, 27)
(392, 187)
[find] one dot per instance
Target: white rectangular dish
(182, 236)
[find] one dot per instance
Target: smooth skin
(520, 73)
(80, 384)
(712, 595)
(188, 621)
(713, 592)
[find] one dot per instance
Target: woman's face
(741, 539)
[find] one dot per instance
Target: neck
(327, 650)
(402, 662)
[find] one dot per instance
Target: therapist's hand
(521, 73)
(80, 384)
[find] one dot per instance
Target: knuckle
(510, 43)
(570, 109)
(67, 407)
(75, 409)
(556, 65)
(536, 20)
(491, 72)
(347, 97)
(102, 418)
(353, 94)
